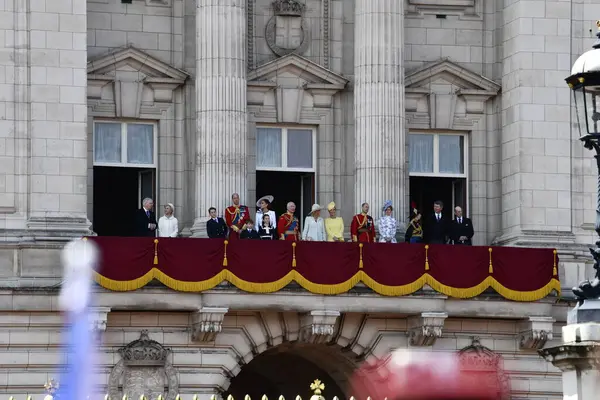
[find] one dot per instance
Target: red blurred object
(431, 376)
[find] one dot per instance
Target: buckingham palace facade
(106, 102)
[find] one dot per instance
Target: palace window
(436, 154)
(438, 169)
(285, 149)
(125, 144)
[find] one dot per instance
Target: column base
(198, 230)
(530, 238)
(58, 228)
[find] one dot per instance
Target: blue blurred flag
(79, 258)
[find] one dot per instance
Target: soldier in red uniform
(236, 217)
(362, 227)
(288, 226)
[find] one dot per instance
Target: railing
(317, 387)
(194, 265)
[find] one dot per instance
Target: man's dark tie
(147, 213)
(460, 220)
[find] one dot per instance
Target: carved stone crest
(286, 32)
(143, 370)
(487, 364)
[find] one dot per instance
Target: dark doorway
(118, 192)
(298, 187)
(451, 191)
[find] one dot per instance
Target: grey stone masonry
(379, 104)
(222, 125)
(43, 167)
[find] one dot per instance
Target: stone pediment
(124, 81)
(445, 72)
(291, 89)
(294, 67)
(129, 61)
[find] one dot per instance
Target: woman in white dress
(387, 224)
(263, 205)
(314, 226)
(168, 226)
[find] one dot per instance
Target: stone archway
(288, 370)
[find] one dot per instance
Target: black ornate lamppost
(585, 83)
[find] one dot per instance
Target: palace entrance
(288, 370)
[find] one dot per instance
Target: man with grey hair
(288, 226)
(145, 219)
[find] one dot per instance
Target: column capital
(574, 356)
(207, 323)
(317, 326)
(424, 329)
(535, 332)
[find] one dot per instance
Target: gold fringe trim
(554, 269)
(317, 288)
(155, 251)
(426, 257)
(360, 261)
(225, 254)
(293, 254)
(491, 268)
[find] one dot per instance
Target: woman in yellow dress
(334, 225)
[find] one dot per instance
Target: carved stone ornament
(144, 352)
(487, 364)
(98, 317)
(143, 370)
(317, 327)
(536, 332)
(424, 330)
(207, 323)
(286, 32)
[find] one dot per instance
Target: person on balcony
(414, 232)
(288, 226)
(263, 205)
(436, 228)
(362, 227)
(461, 229)
(145, 219)
(216, 228)
(266, 230)
(236, 216)
(334, 225)
(248, 232)
(168, 226)
(314, 226)
(387, 224)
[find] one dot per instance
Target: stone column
(220, 106)
(380, 139)
(578, 357)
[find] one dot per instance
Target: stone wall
(203, 364)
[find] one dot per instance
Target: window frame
(124, 124)
(284, 149)
(436, 155)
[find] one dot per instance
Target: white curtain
(451, 154)
(268, 148)
(299, 148)
(420, 153)
(140, 144)
(107, 143)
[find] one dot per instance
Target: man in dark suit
(461, 229)
(216, 228)
(145, 219)
(436, 229)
